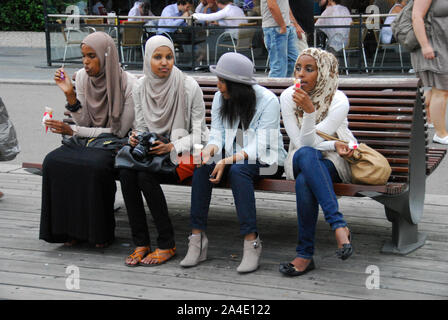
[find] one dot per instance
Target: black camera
(145, 141)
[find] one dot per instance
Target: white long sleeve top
(127, 117)
(230, 11)
(335, 123)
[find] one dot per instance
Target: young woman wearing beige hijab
(313, 162)
(169, 103)
(78, 185)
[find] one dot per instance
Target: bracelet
(73, 108)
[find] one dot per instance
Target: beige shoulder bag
(367, 165)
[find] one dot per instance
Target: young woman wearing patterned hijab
(313, 162)
(169, 103)
(78, 185)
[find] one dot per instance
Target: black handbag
(105, 141)
(152, 163)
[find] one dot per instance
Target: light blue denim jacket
(262, 141)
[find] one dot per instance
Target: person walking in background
(430, 61)
(280, 37)
(303, 12)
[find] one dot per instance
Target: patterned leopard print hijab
(326, 85)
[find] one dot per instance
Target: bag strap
(327, 137)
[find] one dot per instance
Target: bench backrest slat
(380, 115)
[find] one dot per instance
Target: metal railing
(196, 31)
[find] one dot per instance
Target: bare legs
(437, 109)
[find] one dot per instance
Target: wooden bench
(389, 117)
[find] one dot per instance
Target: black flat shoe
(347, 249)
(289, 269)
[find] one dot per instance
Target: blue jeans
(283, 51)
(241, 177)
(314, 186)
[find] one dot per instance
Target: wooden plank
(392, 94)
(374, 109)
(107, 277)
(379, 118)
(28, 292)
(379, 125)
(401, 276)
(381, 102)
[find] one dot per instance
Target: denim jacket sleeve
(265, 124)
(217, 130)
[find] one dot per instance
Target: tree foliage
(28, 15)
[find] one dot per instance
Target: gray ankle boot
(197, 250)
(251, 256)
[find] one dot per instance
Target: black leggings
(133, 184)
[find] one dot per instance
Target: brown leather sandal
(161, 255)
(138, 255)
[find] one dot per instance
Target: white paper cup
(197, 153)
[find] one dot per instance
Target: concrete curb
(25, 39)
(27, 82)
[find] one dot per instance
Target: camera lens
(138, 153)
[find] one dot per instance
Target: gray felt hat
(234, 67)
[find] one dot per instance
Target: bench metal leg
(405, 235)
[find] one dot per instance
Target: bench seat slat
(381, 134)
(379, 125)
(379, 118)
(382, 94)
(381, 102)
(373, 109)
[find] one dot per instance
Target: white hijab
(163, 99)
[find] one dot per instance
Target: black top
(303, 11)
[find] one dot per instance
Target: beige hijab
(326, 85)
(163, 99)
(105, 93)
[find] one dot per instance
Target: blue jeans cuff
(196, 226)
(303, 256)
(338, 225)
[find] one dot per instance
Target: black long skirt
(78, 193)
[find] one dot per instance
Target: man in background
(280, 37)
(182, 9)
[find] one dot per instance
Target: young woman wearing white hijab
(169, 103)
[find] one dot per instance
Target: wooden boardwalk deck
(33, 269)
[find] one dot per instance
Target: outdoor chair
(355, 44)
(243, 42)
(95, 22)
(73, 36)
(132, 39)
(385, 46)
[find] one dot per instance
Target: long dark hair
(240, 106)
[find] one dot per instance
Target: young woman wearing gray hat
(245, 144)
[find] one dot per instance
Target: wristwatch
(73, 108)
